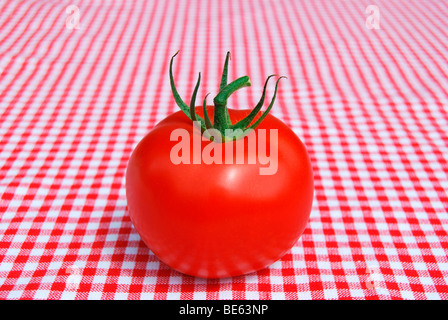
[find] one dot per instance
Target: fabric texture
(83, 81)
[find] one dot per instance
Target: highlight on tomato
(217, 192)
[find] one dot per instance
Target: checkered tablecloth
(83, 81)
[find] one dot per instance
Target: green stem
(208, 124)
(268, 109)
(224, 83)
(182, 105)
(220, 101)
(224, 73)
(193, 100)
(221, 119)
(247, 121)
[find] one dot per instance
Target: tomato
(209, 213)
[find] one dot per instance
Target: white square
(433, 296)
(201, 295)
(5, 267)
(278, 296)
(225, 295)
(277, 280)
(30, 266)
(15, 294)
(68, 295)
(94, 295)
(304, 295)
(425, 281)
(330, 294)
(252, 295)
(407, 295)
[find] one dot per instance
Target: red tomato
(224, 205)
(218, 220)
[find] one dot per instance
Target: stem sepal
(221, 120)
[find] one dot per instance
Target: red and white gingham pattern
(370, 104)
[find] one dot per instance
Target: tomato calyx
(221, 119)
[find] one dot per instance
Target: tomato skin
(218, 220)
